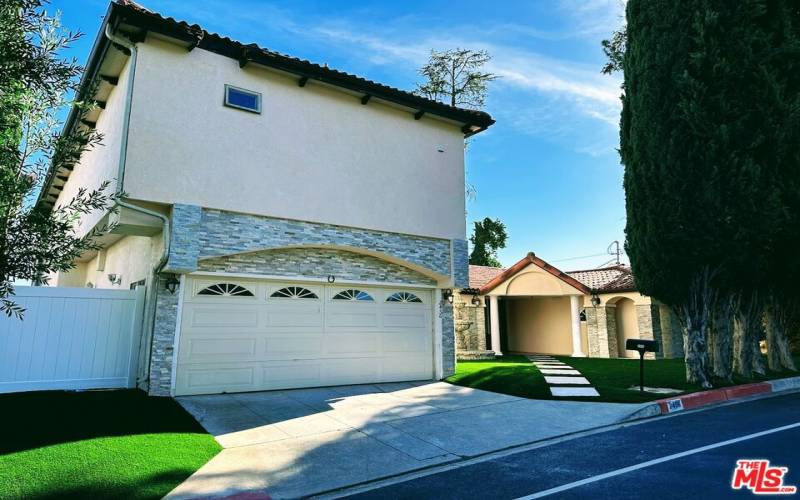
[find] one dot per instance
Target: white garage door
(239, 335)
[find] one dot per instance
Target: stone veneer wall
(448, 339)
(470, 328)
(602, 331)
(200, 233)
(163, 343)
(649, 324)
(214, 240)
(672, 333)
(315, 263)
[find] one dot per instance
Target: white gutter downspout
(123, 155)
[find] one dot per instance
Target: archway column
(494, 324)
(575, 313)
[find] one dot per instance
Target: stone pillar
(448, 339)
(602, 331)
(494, 324)
(649, 323)
(163, 344)
(470, 326)
(575, 312)
(671, 332)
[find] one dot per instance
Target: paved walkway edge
(715, 396)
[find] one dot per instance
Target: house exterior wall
(540, 325)
(627, 326)
(533, 281)
(313, 154)
(101, 162)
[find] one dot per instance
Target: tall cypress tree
(708, 137)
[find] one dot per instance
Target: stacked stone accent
(448, 340)
(184, 244)
(166, 312)
(649, 322)
(470, 329)
(672, 333)
(225, 233)
(602, 331)
(315, 263)
(461, 263)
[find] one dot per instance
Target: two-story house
(294, 225)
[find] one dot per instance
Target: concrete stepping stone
(566, 380)
(553, 371)
(574, 391)
(545, 364)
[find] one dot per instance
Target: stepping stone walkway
(564, 381)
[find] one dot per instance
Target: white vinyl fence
(71, 338)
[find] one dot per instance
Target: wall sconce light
(476, 301)
(595, 300)
(331, 278)
(115, 279)
(447, 294)
(172, 284)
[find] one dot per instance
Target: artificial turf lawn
(517, 376)
(97, 444)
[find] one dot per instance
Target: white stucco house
(293, 225)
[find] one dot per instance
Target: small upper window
(294, 292)
(242, 99)
(226, 290)
(404, 297)
(353, 295)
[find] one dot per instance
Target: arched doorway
(627, 325)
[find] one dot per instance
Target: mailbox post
(641, 346)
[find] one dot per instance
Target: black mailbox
(641, 346)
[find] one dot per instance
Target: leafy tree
(456, 77)
(35, 83)
(487, 237)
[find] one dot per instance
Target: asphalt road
(645, 452)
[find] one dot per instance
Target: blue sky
(548, 168)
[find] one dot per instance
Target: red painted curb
(697, 399)
(740, 391)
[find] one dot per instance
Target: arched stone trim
(317, 262)
(202, 233)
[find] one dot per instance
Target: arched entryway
(627, 325)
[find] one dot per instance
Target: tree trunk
(777, 322)
(721, 345)
(748, 358)
(695, 316)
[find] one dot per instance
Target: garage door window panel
(226, 290)
(294, 292)
(404, 298)
(354, 296)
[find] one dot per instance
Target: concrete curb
(714, 396)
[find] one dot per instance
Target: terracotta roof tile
(480, 275)
(614, 278)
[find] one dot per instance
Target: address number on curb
(674, 405)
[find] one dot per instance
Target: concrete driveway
(288, 444)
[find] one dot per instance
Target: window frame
(226, 102)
